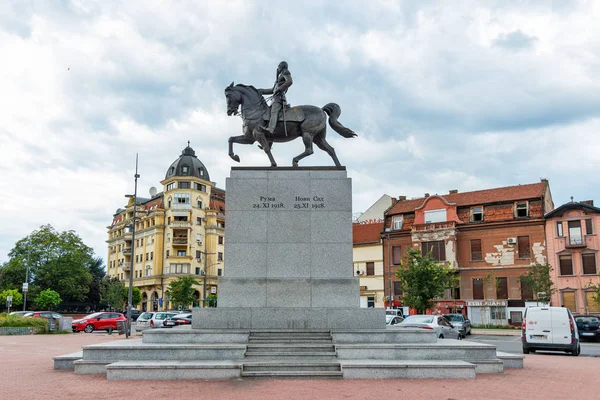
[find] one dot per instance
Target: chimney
(426, 195)
(453, 191)
(401, 198)
(588, 202)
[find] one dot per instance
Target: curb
(497, 332)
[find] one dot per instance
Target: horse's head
(234, 99)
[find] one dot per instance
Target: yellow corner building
(179, 232)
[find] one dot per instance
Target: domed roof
(188, 165)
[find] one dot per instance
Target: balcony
(127, 251)
(180, 241)
(434, 226)
(181, 224)
(574, 242)
(181, 206)
(126, 267)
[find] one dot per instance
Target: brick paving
(26, 373)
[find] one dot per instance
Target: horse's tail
(334, 111)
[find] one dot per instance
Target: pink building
(573, 244)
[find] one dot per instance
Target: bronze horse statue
(307, 122)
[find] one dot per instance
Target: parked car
(20, 313)
(135, 314)
(97, 322)
(391, 320)
(153, 319)
(396, 312)
(178, 319)
(42, 314)
(461, 322)
(549, 328)
(588, 327)
(442, 327)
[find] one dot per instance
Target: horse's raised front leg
(307, 138)
(242, 139)
(264, 144)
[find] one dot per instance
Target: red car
(98, 321)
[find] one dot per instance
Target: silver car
(442, 327)
(155, 320)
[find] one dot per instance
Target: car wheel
(469, 332)
(89, 328)
(460, 336)
(525, 350)
(576, 352)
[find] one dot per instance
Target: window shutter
(524, 250)
(566, 265)
(396, 255)
(502, 289)
(589, 263)
(569, 301)
(477, 289)
(476, 254)
(370, 268)
(592, 306)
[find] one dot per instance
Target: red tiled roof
(366, 233)
(509, 193)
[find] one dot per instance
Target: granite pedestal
(288, 253)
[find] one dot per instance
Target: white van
(549, 328)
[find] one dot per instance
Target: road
(512, 344)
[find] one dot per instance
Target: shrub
(13, 321)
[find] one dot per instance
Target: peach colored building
(573, 243)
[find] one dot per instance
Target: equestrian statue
(280, 122)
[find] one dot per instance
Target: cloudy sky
(443, 95)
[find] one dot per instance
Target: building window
(588, 261)
(526, 291)
(168, 237)
(219, 256)
(167, 253)
(147, 256)
(437, 249)
(220, 239)
(498, 313)
(182, 198)
(566, 264)
(198, 221)
(575, 236)
(568, 300)
(198, 271)
(180, 253)
(433, 216)
(522, 210)
(397, 289)
(523, 247)
(219, 272)
(502, 288)
(200, 187)
(477, 288)
(397, 222)
(184, 169)
(199, 238)
(396, 255)
(198, 255)
(476, 254)
(516, 317)
(151, 255)
(184, 185)
(559, 229)
(370, 268)
(199, 204)
(589, 227)
(171, 186)
(477, 214)
(371, 302)
(148, 270)
(592, 306)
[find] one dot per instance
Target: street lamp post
(390, 297)
(130, 294)
(26, 284)
(205, 254)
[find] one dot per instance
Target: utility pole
(130, 294)
(26, 284)
(390, 297)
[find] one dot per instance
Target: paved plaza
(27, 372)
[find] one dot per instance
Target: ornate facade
(178, 232)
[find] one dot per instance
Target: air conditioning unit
(358, 272)
(512, 240)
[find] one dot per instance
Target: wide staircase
(291, 354)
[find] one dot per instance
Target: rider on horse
(283, 80)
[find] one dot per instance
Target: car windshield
(587, 320)
(454, 317)
(418, 319)
(146, 315)
(29, 314)
(391, 312)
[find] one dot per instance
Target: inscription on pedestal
(298, 203)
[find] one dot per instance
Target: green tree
(422, 279)
(115, 293)
(96, 269)
(596, 295)
(56, 260)
(17, 298)
(539, 281)
(47, 299)
(181, 290)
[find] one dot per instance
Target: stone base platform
(288, 318)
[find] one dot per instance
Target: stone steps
(299, 365)
(66, 361)
(292, 374)
(290, 348)
(395, 369)
(318, 355)
(173, 370)
(138, 351)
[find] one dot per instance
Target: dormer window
(477, 214)
(172, 170)
(397, 222)
(522, 210)
(184, 169)
(201, 172)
